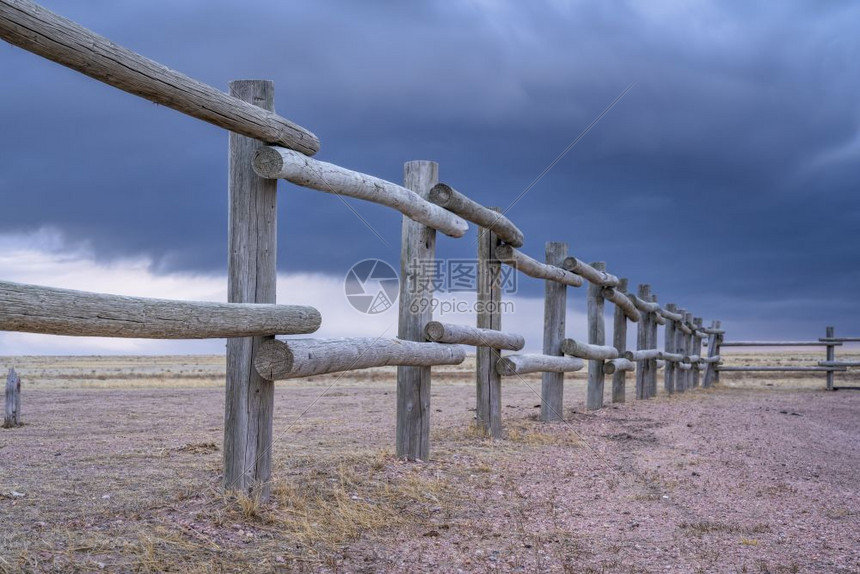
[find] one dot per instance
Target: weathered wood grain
(669, 345)
(417, 257)
(478, 337)
(488, 381)
(279, 360)
(589, 272)
(52, 311)
(12, 412)
(622, 301)
(618, 366)
(651, 375)
(280, 163)
(596, 341)
(619, 339)
(38, 30)
(523, 364)
(642, 354)
(643, 330)
(830, 354)
(487, 218)
(588, 351)
(252, 277)
(533, 268)
(555, 312)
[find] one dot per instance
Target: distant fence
(829, 365)
(264, 147)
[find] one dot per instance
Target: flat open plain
(117, 470)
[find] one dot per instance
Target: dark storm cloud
(726, 178)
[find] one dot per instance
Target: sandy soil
(117, 469)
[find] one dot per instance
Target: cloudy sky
(726, 177)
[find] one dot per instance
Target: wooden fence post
(12, 416)
(711, 369)
(643, 334)
(697, 350)
(489, 298)
(669, 345)
(681, 349)
(252, 272)
(596, 336)
(717, 350)
(619, 340)
(830, 356)
(688, 350)
(555, 307)
(651, 373)
(417, 274)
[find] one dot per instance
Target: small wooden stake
(713, 351)
(12, 416)
(489, 297)
(619, 339)
(417, 265)
(555, 303)
(596, 336)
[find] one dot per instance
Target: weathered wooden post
(555, 307)
(681, 349)
(688, 349)
(596, 336)
(489, 297)
(697, 350)
(651, 373)
(12, 416)
(711, 369)
(252, 272)
(619, 340)
(643, 334)
(669, 345)
(417, 269)
(830, 355)
(717, 350)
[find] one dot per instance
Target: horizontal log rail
(691, 358)
(275, 162)
(465, 335)
(52, 311)
(672, 357)
(445, 196)
(622, 301)
(778, 369)
(839, 363)
(642, 354)
(684, 328)
(534, 268)
(714, 359)
(777, 344)
(644, 306)
(582, 350)
(671, 316)
(295, 358)
(35, 29)
(711, 331)
(524, 364)
(613, 365)
(586, 271)
(840, 339)
(683, 366)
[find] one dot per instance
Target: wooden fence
(264, 147)
(829, 365)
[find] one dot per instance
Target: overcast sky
(727, 177)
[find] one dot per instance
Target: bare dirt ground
(117, 470)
